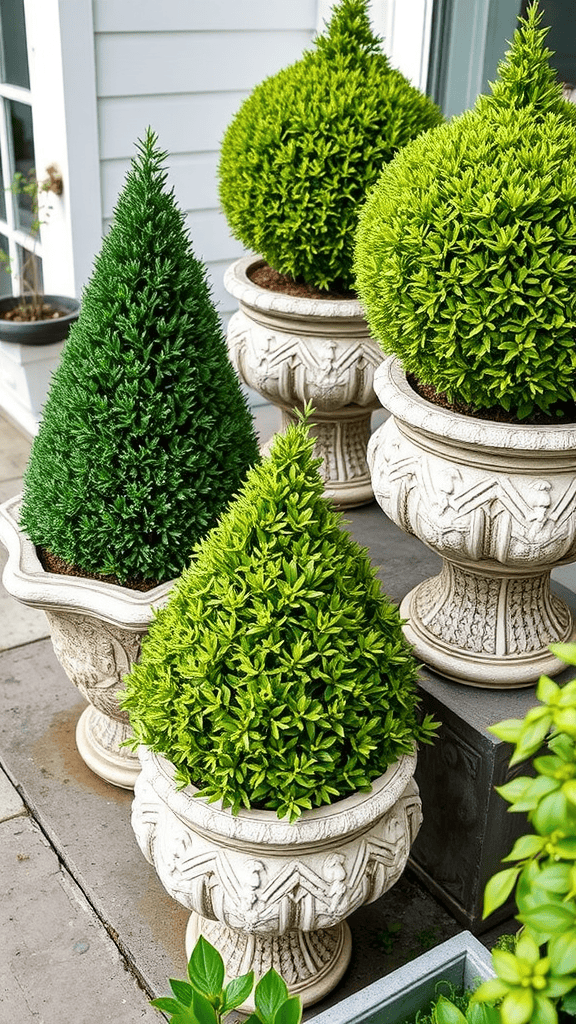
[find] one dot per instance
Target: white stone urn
(497, 501)
(293, 350)
(96, 630)
(268, 893)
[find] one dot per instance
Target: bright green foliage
(532, 981)
(306, 145)
(206, 1000)
(278, 675)
(466, 248)
(146, 434)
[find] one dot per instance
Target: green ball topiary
(303, 149)
(466, 248)
(146, 434)
(278, 675)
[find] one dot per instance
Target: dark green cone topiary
(145, 435)
(309, 142)
(466, 250)
(278, 675)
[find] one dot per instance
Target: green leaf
(548, 918)
(167, 1004)
(270, 993)
(206, 969)
(526, 846)
(289, 1012)
(237, 991)
(203, 1010)
(566, 652)
(446, 1013)
(517, 1006)
(182, 991)
(498, 889)
(562, 953)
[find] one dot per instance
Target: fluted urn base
(100, 740)
(487, 630)
(311, 963)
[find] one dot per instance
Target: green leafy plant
(146, 434)
(540, 973)
(206, 1000)
(453, 1006)
(466, 248)
(278, 675)
(307, 144)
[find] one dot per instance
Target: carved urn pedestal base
(268, 893)
(293, 350)
(497, 502)
(311, 963)
(96, 630)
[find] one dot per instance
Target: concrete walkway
(87, 933)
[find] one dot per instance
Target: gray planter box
(461, 960)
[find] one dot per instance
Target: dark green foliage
(466, 251)
(146, 435)
(278, 675)
(306, 145)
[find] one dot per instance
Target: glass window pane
(5, 278)
(30, 270)
(14, 43)
(20, 120)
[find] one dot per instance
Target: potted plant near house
(33, 325)
(466, 265)
(275, 704)
(145, 437)
(296, 163)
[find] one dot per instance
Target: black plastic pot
(38, 332)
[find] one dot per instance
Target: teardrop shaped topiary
(307, 144)
(146, 434)
(278, 675)
(466, 248)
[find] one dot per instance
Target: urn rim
(396, 395)
(343, 818)
(26, 580)
(238, 284)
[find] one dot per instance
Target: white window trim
(60, 38)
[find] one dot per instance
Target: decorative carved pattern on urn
(268, 893)
(498, 503)
(96, 630)
(293, 350)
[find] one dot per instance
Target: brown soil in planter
(496, 413)
(265, 277)
(53, 563)
(26, 313)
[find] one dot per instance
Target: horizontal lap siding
(183, 67)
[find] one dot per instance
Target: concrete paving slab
(58, 962)
(11, 804)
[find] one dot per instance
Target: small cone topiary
(466, 248)
(278, 675)
(146, 434)
(307, 144)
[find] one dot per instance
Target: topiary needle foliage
(466, 250)
(278, 675)
(146, 434)
(305, 146)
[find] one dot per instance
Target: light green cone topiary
(278, 675)
(146, 435)
(466, 248)
(309, 142)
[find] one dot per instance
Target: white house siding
(183, 67)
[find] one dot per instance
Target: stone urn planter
(497, 501)
(267, 893)
(293, 350)
(96, 630)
